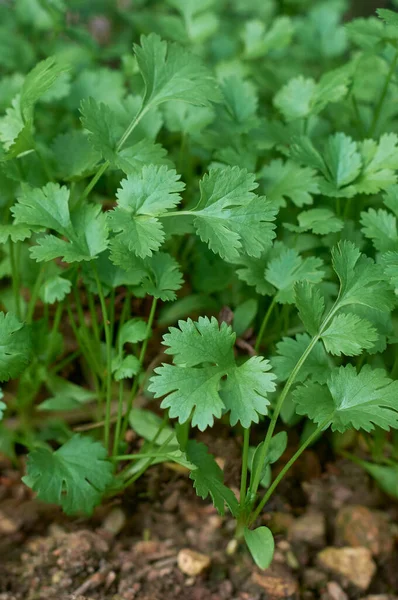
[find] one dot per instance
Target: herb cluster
(240, 154)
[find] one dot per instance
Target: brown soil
(133, 547)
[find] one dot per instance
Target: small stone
(380, 597)
(276, 583)
(310, 529)
(358, 526)
(7, 524)
(192, 563)
(353, 564)
(335, 592)
(314, 578)
(114, 521)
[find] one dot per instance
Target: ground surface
(336, 534)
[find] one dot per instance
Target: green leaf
(3, 408)
(16, 233)
(348, 334)
(259, 41)
(320, 221)
(125, 368)
(205, 379)
(385, 476)
(230, 218)
(142, 198)
(361, 280)
(344, 164)
(276, 448)
(15, 346)
(208, 478)
(381, 227)
(244, 315)
(75, 476)
(162, 277)
(360, 400)
(66, 395)
(172, 73)
(74, 155)
(310, 304)
(287, 180)
(261, 545)
(388, 16)
(379, 164)
(55, 289)
(39, 81)
(287, 269)
(101, 123)
(133, 331)
(289, 352)
(302, 97)
(146, 424)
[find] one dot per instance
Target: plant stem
(245, 456)
(35, 295)
(287, 466)
(54, 330)
(281, 399)
(119, 418)
(15, 278)
(108, 341)
(149, 461)
(383, 95)
(93, 314)
(264, 324)
(119, 146)
(141, 359)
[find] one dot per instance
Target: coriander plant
(243, 154)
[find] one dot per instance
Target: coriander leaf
(388, 16)
(351, 400)
(381, 227)
(45, 207)
(310, 304)
(125, 368)
(133, 331)
(129, 270)
(301, 97)
(172, 73)
(88, 237)
(16, 233)
(348, 334)
(287, 180)
(74, 155)
(55, 289)
(289, 352)
(344, 164)
(252, 272)
(3, 408)
(389, 263)
(361, 280)
(379, 163)
(162, 277)
(104, 131)
(208, 478)
(38, 81)
(287, 269)
(15, 346)
(75, 476)
(320, 221)
(258, 41)
(230, 218)
(141, 199)
(204, 357)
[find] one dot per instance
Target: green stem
(63, 363)
(93, 315)
(35, 294)
(87, 351)
(149, 461)
(119, 146)
(287, 466)
(141, 359)
(119, 418)
(15, 278)
(264, 324)
(108, 341)
(54, 330)
(245, 457)
(383, 95)
(281, 399)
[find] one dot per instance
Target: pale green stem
(141, 359)
(245, 457)
(108, 342)
(286, 468)
(264, 325)
(15, 278)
